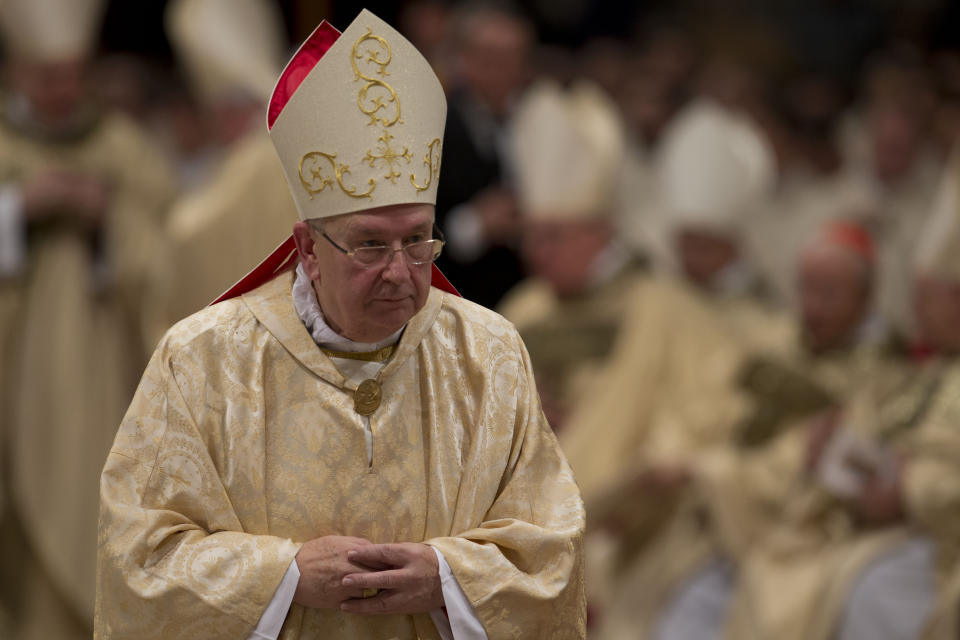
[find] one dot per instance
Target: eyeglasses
(422, 252)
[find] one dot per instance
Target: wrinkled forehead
(399, 218)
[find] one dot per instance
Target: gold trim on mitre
(365, 127)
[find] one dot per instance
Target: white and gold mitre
(716, 167)
(227, 46)
(50, 30)
(364, 127)
(568, 148)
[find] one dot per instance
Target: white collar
(308, 308)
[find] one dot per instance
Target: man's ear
(306, 249)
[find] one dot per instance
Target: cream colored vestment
(242, 442)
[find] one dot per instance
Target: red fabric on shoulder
(438, 280)
(302, 63)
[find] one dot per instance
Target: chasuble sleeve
(173, 558)
(522, 566)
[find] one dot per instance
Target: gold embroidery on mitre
(372, 105)
(432, 161)
(339, 170)
(388, 157)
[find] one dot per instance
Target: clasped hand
(335, 571)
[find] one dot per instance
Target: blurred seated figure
(811, 188)
(890, 156)
(717, 168)
(834, 285)
(650, 96)
(233, 51)
(834, 338)
(476, 205)
(660, 519)
(844, 526)
(567, 149)
(82, 198)
(670, 383)
(683, 339)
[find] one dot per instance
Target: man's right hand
(323, 564)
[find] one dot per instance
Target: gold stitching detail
(339, 170)
(432, 161)
(389, 157)
(373, 104)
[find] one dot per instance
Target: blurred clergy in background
(844, 526)
(232, 51)
(567, 148)
(82, 197)
(342, 451)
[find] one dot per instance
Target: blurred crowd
(729, 236)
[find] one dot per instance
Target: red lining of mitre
(299, 67)
(284, 257)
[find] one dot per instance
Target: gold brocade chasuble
(243, 442)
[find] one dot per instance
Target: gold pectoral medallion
(367, 397)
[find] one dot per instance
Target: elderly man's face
(834, 289)
(367, 304)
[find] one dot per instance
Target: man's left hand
(407, 576)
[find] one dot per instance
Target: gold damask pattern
(242, 442)
(378, 100)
